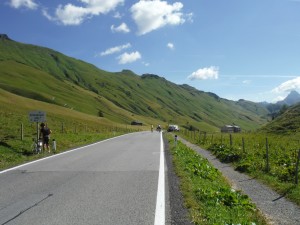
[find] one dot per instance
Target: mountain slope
(292, 98)
(286, 123)
(49, 76)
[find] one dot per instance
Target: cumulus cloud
(288, 86)
(170, 46)
(151, 15)
(129, 57)
(123, 28)
(115, 49)
(117, 15)
(30, 4)
(205, 73)
(70, 14)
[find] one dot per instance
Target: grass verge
(207, 194)
(252, 158)
(15, 152)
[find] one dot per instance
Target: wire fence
(277, 155)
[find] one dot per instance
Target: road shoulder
(276, 208)
(178, 213)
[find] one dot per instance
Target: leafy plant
(208, 196)
(248, 153)
(224, 153)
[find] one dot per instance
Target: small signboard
(37, 116)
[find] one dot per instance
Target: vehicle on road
(173, 128)
(136, 123)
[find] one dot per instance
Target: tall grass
(70, 128)
(269, 157)
(208, 196)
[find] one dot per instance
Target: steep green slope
(49, 76)
(287, 123)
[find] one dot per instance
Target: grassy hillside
(48, 76)
(286, 123)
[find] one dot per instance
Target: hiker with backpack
(45, 135)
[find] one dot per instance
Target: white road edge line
(66, 152)
(160, 199)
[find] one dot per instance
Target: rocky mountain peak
(292, 98)
(4, 37)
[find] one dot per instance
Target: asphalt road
(112, 182)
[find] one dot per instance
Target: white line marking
(160, 200)
(66, 152)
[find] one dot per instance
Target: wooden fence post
(243, 142)
(22, 131)
(230, 137)
(297, 167)
(267, 156)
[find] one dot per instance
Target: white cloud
(170, 46)
(117, 15)
(146, 64)
(123, 28)
(115, 49)
(70, 14)
(151, 15)
(205, 73)
(189, 17)
(129, 57)
(288, 86)
(30, 4)
(246, 81)
(47, 15)
(278, 98)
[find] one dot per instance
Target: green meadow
(270, 157)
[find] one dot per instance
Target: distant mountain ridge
(292, 99)
(46, 75)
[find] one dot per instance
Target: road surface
(111, 182)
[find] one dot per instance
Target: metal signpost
(37, 116)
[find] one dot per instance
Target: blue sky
(237, 49)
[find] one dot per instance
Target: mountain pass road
(114, 182)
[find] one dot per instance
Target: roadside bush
(208, 195)
(224, 153)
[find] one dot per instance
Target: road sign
(37, 116)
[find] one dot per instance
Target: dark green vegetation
(208, 196)
(286, 123)
(271, 159)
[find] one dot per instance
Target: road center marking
(160, 199)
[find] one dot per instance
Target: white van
(173, 128)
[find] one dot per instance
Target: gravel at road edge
(277, 209)
(179, 214)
